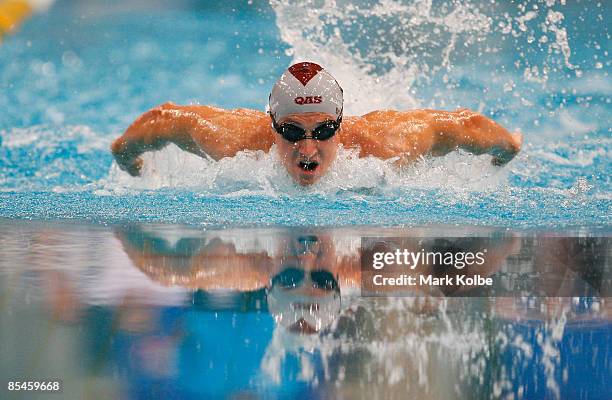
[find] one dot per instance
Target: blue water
(73, 78)
(118, 306)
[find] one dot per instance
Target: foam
(259, 173)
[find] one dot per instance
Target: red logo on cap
(308, 100)
(304, 71)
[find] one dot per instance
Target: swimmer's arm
(217, 266)
(151, 131)
(473, 132)
(201, 130)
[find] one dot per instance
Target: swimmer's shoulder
(366, 132)
(211, 117)
(385, 121)
(210, 111)
(222, 132)
(386, 118)
(388, 133)
(373, 124)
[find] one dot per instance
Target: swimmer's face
(304, 295)
(307, 160)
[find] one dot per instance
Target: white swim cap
(305, 87)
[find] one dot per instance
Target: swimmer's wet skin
(306, 123)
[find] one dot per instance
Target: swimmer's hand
(130, 163)
(502, 156)
(151, 131)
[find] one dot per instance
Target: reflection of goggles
(294, 133)
(293, 277)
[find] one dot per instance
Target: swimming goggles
(293, 133)
(293, 277)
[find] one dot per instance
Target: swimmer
(305, 120)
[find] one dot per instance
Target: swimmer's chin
(307, 180)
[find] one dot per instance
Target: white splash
(377, 50)
(259, 173)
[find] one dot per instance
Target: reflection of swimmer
(303, 274)
(301, 280)
(306, 111)
(301, 299)
(554, 341)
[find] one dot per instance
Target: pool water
(75, 77)
(163, 286)
(173, 311)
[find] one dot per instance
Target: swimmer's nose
(307, 148)
(309, 291)
(308, 261)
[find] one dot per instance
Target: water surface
(170, 311)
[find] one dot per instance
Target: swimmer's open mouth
(308, 165)
(303, 327)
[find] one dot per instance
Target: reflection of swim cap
(305, 87)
